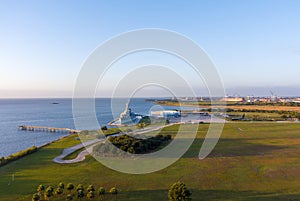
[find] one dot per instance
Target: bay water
(51, 113)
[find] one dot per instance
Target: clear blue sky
(254, 44)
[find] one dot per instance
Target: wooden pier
(48, 129)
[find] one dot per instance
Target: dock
(48, 129)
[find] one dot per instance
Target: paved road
(147, 130)
(81, 156)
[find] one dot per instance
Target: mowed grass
(258, 114)
(252, 161)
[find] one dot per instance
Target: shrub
(179, 192)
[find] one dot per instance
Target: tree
(113, 191)
(90, 195)
(59, 191)
(69, 197)
(104, 128)
(101, 192)
(50, 188)
(90, 188)
(35, 197)
(179, 192)
(141, 125)
(80, 194)
(79, 187)
(40, 189)
(48, 193)
(61, 185)
(70, 186)
(131, 150)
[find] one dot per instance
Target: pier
(48, 129)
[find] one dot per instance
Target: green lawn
(252, 161)
(260, 115)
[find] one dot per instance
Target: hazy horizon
(285, 91)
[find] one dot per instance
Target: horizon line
(147, 97)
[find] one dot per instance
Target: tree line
(69, 192)
(177, 192)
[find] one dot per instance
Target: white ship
(127, 117)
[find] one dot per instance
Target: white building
(165, 113)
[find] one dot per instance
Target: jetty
(48, 129)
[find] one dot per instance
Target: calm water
(41, 112)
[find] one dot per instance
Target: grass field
(266, 116)
(252, 161)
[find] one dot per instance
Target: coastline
(11, 158)
(48, 143)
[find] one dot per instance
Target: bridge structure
(48, 129)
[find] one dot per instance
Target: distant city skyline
(255, 45)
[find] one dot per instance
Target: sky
(255, 45)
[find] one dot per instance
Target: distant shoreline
(247, 107)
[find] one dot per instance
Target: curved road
(81, 156)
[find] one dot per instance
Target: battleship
(127, 117)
